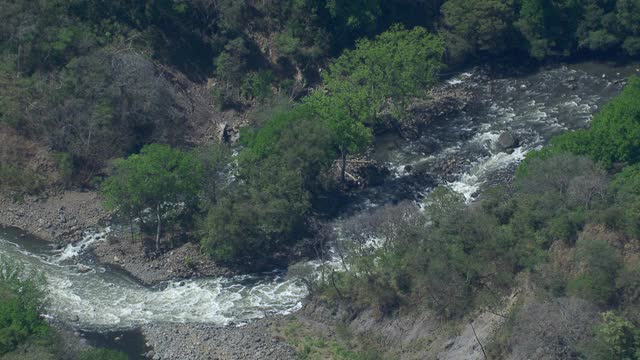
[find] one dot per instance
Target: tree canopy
(160, 179)
(385, 73)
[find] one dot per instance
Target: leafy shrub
(21, 303)
(64, 162)
(257, 85)
(616, 338)
(600, 264)
(287, 43)
(626, 189)
(223, 98)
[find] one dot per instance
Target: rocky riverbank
(63, 218)
(67, 217)
(183, 262)
(257, 340)
(442, 101)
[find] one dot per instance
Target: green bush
(616, 338)
(626, 189)
(21, 303)
(64, 162)
(257, 85)
(223, 98)
(600, 265)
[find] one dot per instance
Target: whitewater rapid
(531, 107)
(98, 299)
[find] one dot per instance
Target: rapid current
(532, 107)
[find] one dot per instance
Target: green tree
(385, 73)
(549, 26)
(616, 338)
(164, 180)
(628, 19)
(615, 132)
(596, 28)
(233, 61)
(476, 27)
(379, 75)
(215, 159)
(279, 173)
(348, 134)
(353, 18)
(626, 189)
(259, 218)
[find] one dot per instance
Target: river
(533, 107)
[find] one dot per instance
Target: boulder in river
(507, 141)
(83, 269)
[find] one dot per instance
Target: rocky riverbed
(257, 340)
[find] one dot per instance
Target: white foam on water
(106, 300)
(459, 79)
(221, 301)
(486, 139)
(471, 181)
(73, 250)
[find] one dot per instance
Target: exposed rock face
(412, 335)
(223, 134)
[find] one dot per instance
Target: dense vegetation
(88, 79)
(569, 226)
